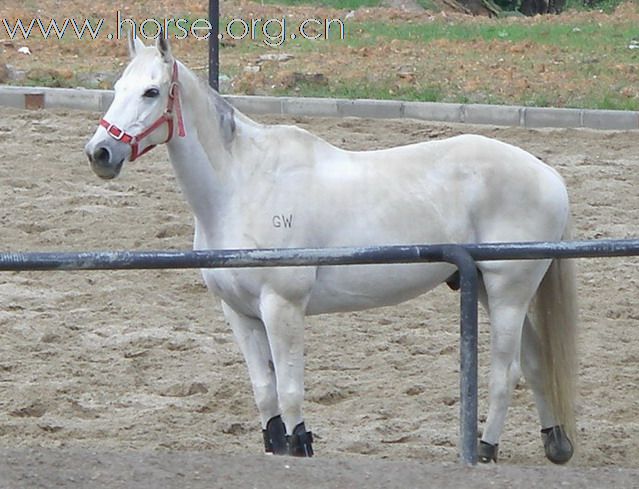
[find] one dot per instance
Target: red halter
(134, 141)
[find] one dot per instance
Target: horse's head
(143, 110)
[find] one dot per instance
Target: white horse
(269, 186)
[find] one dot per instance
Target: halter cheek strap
(173, 108)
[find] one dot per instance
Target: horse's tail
(556, 318)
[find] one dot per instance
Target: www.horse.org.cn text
(272, 32)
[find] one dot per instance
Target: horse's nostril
(101, 156)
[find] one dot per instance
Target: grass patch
(612, 101)
(604, 5)
(429, 5)
(366, 90)
(344, 4)
(583, 36)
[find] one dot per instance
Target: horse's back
(465, 188)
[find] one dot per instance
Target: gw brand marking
(282, 221)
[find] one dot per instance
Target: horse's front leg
(284, 321)
(250, 335)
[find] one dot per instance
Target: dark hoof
(301, 442)
(275, 440)
(557, 445)
(487, 453)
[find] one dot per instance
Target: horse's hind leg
(284, 321)
(508, 298)
(250, 335)
(532, 369)
(488, 452)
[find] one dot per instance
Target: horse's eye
(152, 93)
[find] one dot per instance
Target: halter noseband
(167, 117)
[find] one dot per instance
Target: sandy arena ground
(133, 379)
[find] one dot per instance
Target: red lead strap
(167, 118)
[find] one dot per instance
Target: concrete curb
(499, 115)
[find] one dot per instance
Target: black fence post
(214, 44)
(469, 291)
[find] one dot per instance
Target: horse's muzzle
(103, 162)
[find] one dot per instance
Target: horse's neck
(203, 160)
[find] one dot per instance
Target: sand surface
(136, 372)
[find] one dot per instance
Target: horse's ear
(164, 47)
(135, 45)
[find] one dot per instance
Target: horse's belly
(358, 287)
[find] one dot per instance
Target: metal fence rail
(463, 256)
(146, 260)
